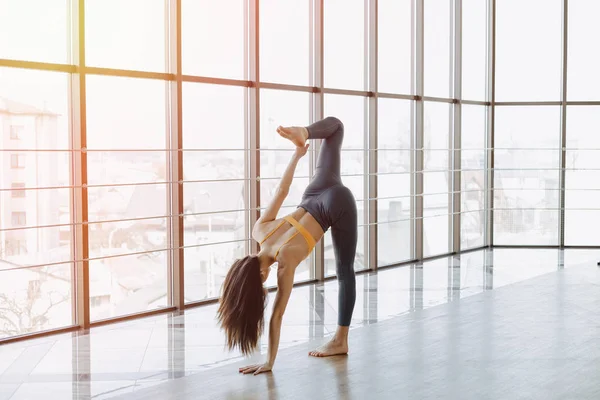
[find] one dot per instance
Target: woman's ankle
(341, 334)
(305, 132)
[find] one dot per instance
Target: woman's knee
(339, 123)
(345, 273)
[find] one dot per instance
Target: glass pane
(126, 237)
(34, 116)
(394, 46)
(582, 193)
(212, 38)
(214, 228)
(473, 132)
(344, 47)
(284, 39)
(126, 34)
(527, 127)
(584, 62)
(213, 165)
(203, 197)
(436, 229)
(128, 284)
(528, 61)
(213, 117)
(135, 119)
(34, 299)
(394, 238)
(126, 167)
(35, 30)
(436, 206)
(128, 201)
(473, 127)
(32, 245)
(472, 223)
(526, 175)
(394, 190)
(274, 162)
(28, 95)
(394, 126)
(436, 136)
(351, 111)
(268, 188)
(206, 267)
(474, 45)
(438, 37)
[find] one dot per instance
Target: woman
(326, 203)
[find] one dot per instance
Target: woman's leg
(331, 130)
(328, 168)
(344, 233)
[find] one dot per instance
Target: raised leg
(331, 130)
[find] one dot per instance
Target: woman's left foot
(332, 348)
(295, 134)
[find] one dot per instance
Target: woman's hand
(301, 150)
(256, 369)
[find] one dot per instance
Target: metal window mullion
(491, 113)
(563, 130)
(457, 125)
(417, 145)
(174, 142)
(317, 110)
(253, 121)
(247, 176)
(79, 196)
(371, 22)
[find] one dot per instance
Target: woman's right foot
(332, 348)
(295, 134)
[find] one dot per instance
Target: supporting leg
(344, 234)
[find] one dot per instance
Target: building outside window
(16, 132)
(17, 191)
(17, 161)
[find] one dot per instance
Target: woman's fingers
(248, 368)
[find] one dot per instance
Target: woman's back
(278, 234)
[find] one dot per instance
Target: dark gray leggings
(333, 205)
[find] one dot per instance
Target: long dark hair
(242, 305)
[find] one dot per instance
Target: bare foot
(295, 134)
(332, 348)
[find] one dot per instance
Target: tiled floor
(121, 358)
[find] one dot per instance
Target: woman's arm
(284, 187)
(285, 282)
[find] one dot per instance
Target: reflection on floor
(126, 359)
